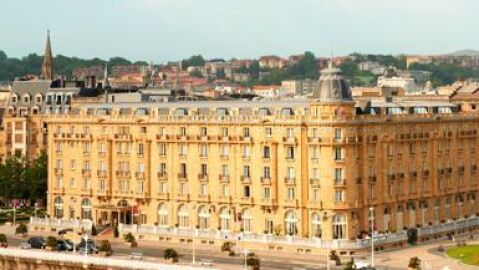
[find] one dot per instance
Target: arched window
(247, 218)
(316, 225)
(183, 216)
(225, 218)
(203, 217)
(339, 226)
(122, 204)
(86, 209)
(58, 207)
(162, 215)
(291, 223)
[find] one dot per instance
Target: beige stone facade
(311, 169)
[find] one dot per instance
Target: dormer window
(181, 112)
(221, 111)
(26, 98)
(38, 99)
(142, 112)
(264, 111)
(13, 99)
(287, 111)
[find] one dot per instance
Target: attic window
(14, 99)
(181, 112)
(287, 111)
(26, 98)
(38, 99)
(222, 111)
(142, 111)
(264, 111)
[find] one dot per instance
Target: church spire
(47, 66)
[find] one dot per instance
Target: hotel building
(318, 167)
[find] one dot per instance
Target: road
(270, 261)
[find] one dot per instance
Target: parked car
(64, 231)
(36, 242)
(64, 245)
(87, 247)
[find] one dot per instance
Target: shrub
(51, 241)
(415, 263)
(129, 238)
(170, 253)
(21, 229)
(105, 246)
(116, 233)
(3, 239)
(333, 256)
(226, 246)
(253, 262)
(93, 230)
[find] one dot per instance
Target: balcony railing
(224, 178)
(245, 179)
(202, 177)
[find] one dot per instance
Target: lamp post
(245, 259)
(194, 250)
(371, 210)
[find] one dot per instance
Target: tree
(196, 73)
(220, 74)
(193, 61)
(414, 263)
(37, 177)
(21, 179)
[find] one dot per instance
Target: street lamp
(371, 210)
(245, 259)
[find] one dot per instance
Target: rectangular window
(266, 152)
(162, 149)
(291, 194)
(268, 132)
(246, 191)
(224, 132)
(338, 174)
(246, 151)
(266, 172)
(225, 189)
(204, 170)
(163, 187)
(225, 170)
(204, 189)
(290, 152)
(315, 195)
(141, 149)
(338, 133)
(290, 172)
(246, 172)
(182, 131)
(203, 132)
(338, 153)
(183, 149)
(183, 169)
(225, 150)
(266, 193)
(162, 169)
(289, 132)
(203, 150)
(246, 132)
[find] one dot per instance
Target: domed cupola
(332, 87)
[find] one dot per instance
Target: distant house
(267, 91)
(272, 61)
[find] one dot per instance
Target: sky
(164, 30)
